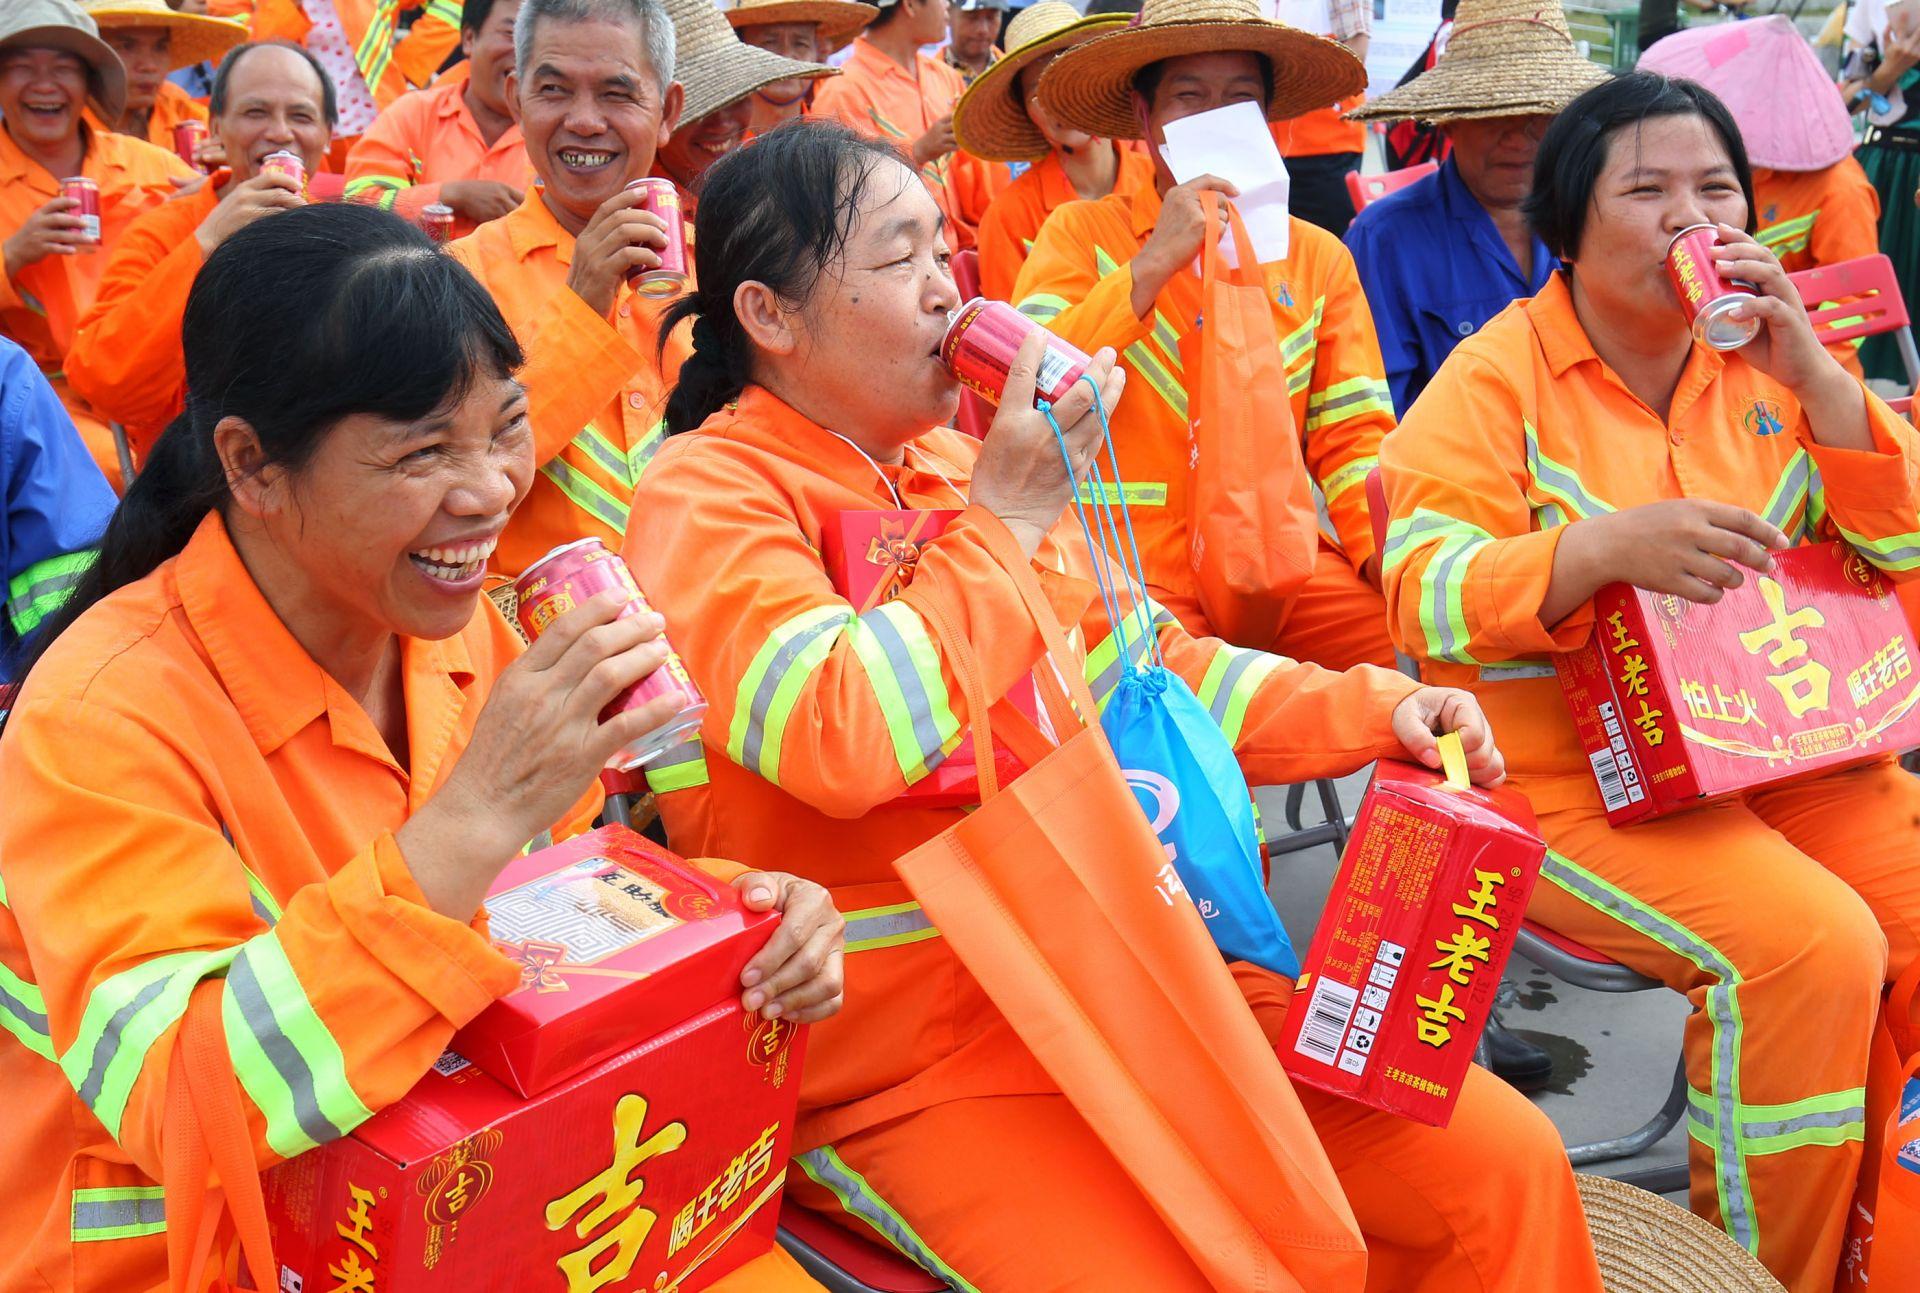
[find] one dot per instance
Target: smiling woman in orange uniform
(813, 388)
(278, 745)
(1584, 438)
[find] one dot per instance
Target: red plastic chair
(975, 413)
(326, 186)
(1859, 298)
(845, 1263)
(1368, 189)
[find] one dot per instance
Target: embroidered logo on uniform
(1772, 213)
(1763, 418)
(1283, 295)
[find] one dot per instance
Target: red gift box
(660, 1168)
(617, 939)
(1807, 667)
(870, 556)
(1416, 933)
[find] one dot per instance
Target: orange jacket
(171, 106)
(190, 796)
(818, 719)
(1524, 430)
(388, 66)
(1812, 218)
(1322, 131)
(1078, 280)
(126, 359)
(1013, 220)
(596, 394)
(424, 139)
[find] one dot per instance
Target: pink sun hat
(1772, 82)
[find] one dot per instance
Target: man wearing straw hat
(1120, 272)
(1001, 119)
(454, 143)
(1448, 252)
(803, 30)
(721, 74)
(594, 86)
(152, 41)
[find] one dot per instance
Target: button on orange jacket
(41, 308)
(426, 138)
(596, 392)
(126, 359)
(1078, 281)
(1014, 218)
(1524, 430)
(819, 719)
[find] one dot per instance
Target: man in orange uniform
(126, 359)
(1321, 146)
(804, 30)
(454, 143)
(972, 28)
(1119, 272)
(152, 40)
(1001, 119)
(51, 63)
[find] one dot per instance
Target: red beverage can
(575, 573)
(1708, 298)
(188, 135)
(437, 219)
(87, 193)
(983, 339)
(287, 164)
(663, 200)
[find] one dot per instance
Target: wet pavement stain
(1571, 1060)
(1533, 994)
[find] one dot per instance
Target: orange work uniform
(426, 138)
(919, 1099)
(42, 307)
(389, 66)
(1078, 281)
(1779, 913)
(171, 106)
(596, 393)
(1813, 218)
(126, 359)
(1322, 132)
(876, 96)
(1013, 220)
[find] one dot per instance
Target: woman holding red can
(1592, 435)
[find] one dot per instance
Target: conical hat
(1090, 87)
(1505, 58)
(716, 68)
(1646, 1245)
(196, 38)
(839, 21)
(1771, 81)
(990, 121)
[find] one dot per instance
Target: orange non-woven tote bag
(1253, 529)
(1054, 896)
(1882, 1248)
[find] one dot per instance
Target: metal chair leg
(1606, 1151)
(1296, 799)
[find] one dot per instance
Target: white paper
(1234, 144)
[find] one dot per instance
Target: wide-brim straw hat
(61, 24)
(1090, 87)
(990, 120)
(1771, 81)
(1647, 1245)
(716, 68)
(1504, 58)
(839, 21)
(196, 38)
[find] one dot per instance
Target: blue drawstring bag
(1178, 762)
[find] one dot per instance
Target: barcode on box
(1328, 1010)
(1605, 771)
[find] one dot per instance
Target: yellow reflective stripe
(1042, 307)
(588, 494)
(1788, 235)
(1134, 493)
(1344, 401)
(873, 928)
(1442, 583)
(681, 768)
(1162, 333)
(123, 1212)
(447, 11)
(23, 1012)
(375, 50)
(1561, 484)
(642, 454)
(1305, 338)
(389, 187)
(1345, 478)
(1234, 676)
(772, 683)
(903, 668)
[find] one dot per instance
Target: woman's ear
(243, 461)
(764, 319)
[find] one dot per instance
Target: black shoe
(1515, 1060)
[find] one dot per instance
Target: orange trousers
(1016, 1193)
(1336, 620)
(1781, 916)
(775, 1272)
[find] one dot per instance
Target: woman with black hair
(1585, 438)
(277, 745)
(815, 389)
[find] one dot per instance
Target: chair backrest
(1368, 189)
(1853, 298)
(966, 273)
(854, 1263)
(975, 413)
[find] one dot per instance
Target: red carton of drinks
(1804, 668)
(1401, 975)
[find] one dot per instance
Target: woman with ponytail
(815, 389)
(268, 759)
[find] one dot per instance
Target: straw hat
(196, 38)
(990, 120)
(61, 24)
(1647, 1245)
(716, 68)
(839, 20)
(1091, 86)
(1505, 58)
(1771, 81)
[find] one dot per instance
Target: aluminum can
(287, 164)
(663, 200)
(1708, 298)
(188, 135)
(437, 219)
(87, 193)
(982, 341)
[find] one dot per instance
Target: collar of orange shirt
(1564, 343)
(109, 160)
